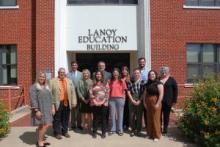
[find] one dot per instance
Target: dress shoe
(66, 135)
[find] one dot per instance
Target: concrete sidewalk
(25, 136)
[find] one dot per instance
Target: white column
(60, 35)
(144, 31)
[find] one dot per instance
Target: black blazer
(170, 91)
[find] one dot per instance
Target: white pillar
(60, 36)
(144, 31)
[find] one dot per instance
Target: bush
(201, 118)
(4, 121)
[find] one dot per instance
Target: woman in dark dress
(83, 93)
(152, 102)
(43, 109)
(126, 78)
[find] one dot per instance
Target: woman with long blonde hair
(41, 102)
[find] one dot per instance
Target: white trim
(9, 87)
(9, 7)
(147, 31)
(188, 85)
(144, 31)
(202, 7)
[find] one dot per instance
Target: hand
(138, 102)
(53, 111)
(86, 101)
(73, 106)
(156, 106)
(134, 102)
(38, 115)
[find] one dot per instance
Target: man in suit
(64, 98)
(101, 67)
(75, 76)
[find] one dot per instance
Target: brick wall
(172, 27)
(45, 35)
(31, 28)
(16, 28)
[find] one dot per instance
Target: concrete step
(19, 113)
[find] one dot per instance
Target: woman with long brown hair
(126, 77)
(118, 88)
(153, 103)
(99, 95)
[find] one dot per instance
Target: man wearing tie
(75, 76)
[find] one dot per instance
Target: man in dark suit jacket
(170, 96)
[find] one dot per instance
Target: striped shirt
(136, 87)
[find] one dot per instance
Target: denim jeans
(116, 113)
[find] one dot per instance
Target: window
(102, 1)
(8, 3)
(8, 65)
(203, 60)
(208, 3)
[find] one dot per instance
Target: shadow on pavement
(175, 134)
(28, 138)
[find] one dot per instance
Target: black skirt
(85, 108)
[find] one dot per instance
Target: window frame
(120, 2)
(10, 81)
(198, 6)
(201, 64)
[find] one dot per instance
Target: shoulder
(143, 82)
(53, 80)
(79, 72)
(68, 80)
(33, 87)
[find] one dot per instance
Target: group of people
(116, 101)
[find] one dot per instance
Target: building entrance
(90, 60)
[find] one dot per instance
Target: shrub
(201, 118)
(4, 121)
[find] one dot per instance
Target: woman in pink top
(99, 94)
(118, 88)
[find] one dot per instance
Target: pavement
(26, 136)
(23, 134)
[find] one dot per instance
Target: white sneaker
(156, 140)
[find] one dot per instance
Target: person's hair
(100, 62)
(61, 68)
(119, 75)
(74, 62)
(141, 58)
(125, 68)
(102, 80)
(164, 69)
(38, 76)
(136, 69)
(155, 74)
(86, 70)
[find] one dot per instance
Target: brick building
(47, 34)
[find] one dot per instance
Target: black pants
(136, 113)
(145, 118)
(165, 116)
(61, 119)
(126, 114)
(99, 113)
